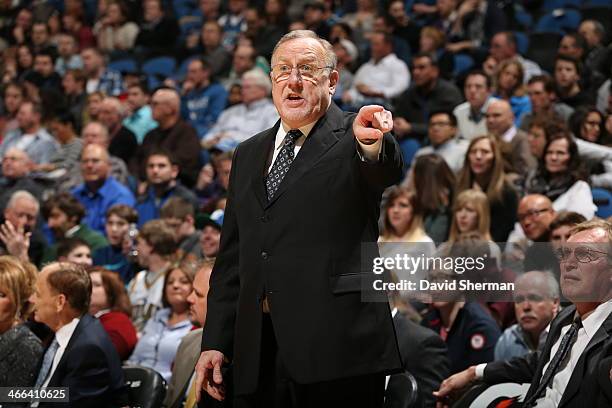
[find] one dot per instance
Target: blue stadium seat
(158, 69)
(124, 65)
(560, 20)
(184, 8)
(189, 24)
(463, 63)
(523, 18)
(522, 42)
(181, 71)
(603, 200)
(599, 3)
(550, 5)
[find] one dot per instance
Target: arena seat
(559, 20)
(603, 200)
(146, 387)
(410, 391)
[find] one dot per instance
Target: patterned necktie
(47, 363)
(557, 361)
(282, 163)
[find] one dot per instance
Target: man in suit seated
(81, 356)
(180, 389)
(424, 355)
(567, 370)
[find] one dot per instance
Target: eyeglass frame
(277, 78)
(532, 213)
(566, 255)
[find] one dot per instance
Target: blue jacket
(148, 205)
(202, 107)
(97, 203)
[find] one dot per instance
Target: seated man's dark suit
(424, 355)
(302, 252)
(90, 368)
(584, 389)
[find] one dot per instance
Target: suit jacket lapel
(83, 322)
(577, 375)
(563, 318)
(263, 149)
(186, 364)
(322, 137)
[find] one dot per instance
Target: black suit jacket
(302, 250)
(585, 387)
(90, 367)
(425, 357)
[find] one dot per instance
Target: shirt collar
(593, 322)
(64, 334)
(283, 129)
(72, 231)
(509, 134)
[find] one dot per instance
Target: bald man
(123, 142)
(99, 190)
(172, 134)
(535, 213)
(513, 141)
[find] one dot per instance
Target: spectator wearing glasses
(442, 131)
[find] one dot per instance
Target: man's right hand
(453, 386)
(208, 375)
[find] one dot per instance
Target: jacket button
(264, 255)
(264, 218)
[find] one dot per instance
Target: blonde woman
(471, 214)
(508, 85)
(20, 349)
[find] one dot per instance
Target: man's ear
(189, 219)
(60, 302)
(334, 77)
(175, 171)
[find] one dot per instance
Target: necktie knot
(293, 135)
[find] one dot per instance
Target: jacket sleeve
(388, 170)
(218, 333)
(519, 370)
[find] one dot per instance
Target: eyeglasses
(583, 254)
(282, 72)
(439, 124)
(532, 298)
(531, 214)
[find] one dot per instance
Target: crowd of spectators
(118, 121)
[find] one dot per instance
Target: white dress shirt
(389, 76)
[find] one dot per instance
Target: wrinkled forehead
(594, 236)
(299, 50)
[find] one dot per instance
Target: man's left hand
(371, 123)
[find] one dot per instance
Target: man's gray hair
(260, 79)
(552, 286)
(330, 56)
(22, 195)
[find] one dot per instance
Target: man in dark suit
(424, 354)
(285, 306)
(567, 371)
(81, 356)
